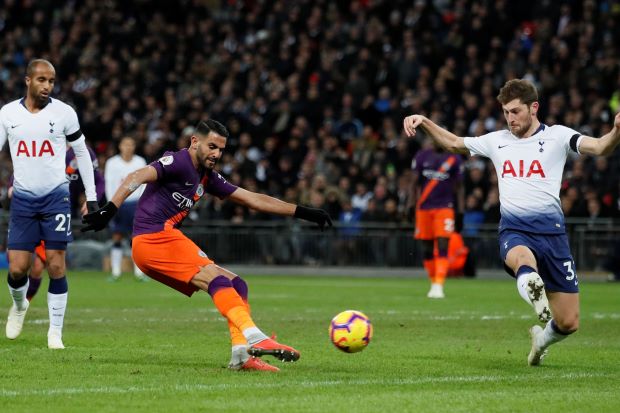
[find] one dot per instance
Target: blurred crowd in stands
(314, 92)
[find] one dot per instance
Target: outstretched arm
(443, 137)
(133, 182)
(269, 204)
(98, 220)
(605, 145)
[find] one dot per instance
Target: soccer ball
(350, 331)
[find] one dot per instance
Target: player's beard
(204, 160)
(522, 129)
(39, 98)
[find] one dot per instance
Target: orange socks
(231, 306)
(429, 265)
(441, 270)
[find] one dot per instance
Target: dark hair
(521, 89)
(34, 63)
(204, 127)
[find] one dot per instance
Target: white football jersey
(529, 173)
(116, 169)
(38, 144)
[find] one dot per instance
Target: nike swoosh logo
(501, 146)
(189, 184)
(56, 309)
(14, 126)
(102, 212)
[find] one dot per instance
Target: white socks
(56, 304)
(116, 261)
(549, 336)
(239, 355)
(253, 335)
(522, 288)
(19, 296)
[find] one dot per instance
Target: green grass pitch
(141, 347)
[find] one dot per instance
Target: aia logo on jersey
(534, 168)
(34, 149)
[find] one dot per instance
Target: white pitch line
(304, 384)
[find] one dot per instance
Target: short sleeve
(168, 166)
(480, 145)
(218, 186)
(72, 125)
(569, 137)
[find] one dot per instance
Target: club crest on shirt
(200, 190)
(166, 160)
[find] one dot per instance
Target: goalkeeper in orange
(175, 183)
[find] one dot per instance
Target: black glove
(92, 206)
(320, 216)
(98, 220)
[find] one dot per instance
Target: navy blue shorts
(35, 219)
(123, 220)
(553, 258)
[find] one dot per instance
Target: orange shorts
(40, 251)
(170, 258)
(434, 223)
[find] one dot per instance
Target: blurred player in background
(76, 196)
(529, 158)
(38, 129)
(174, 184)
(116, 169)
(437, 176)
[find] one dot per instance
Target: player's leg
(171, 258)
(56, 232)
(424, 233)
(521, 263)
(36, 272)
(428, 248)
(240, 358)
(441, 266)
(239, 345)
(17, 279)
(565, 321)
(557, 267)
(211, 279)
(442, 227)
(23, 235)
(116, 255)
(57, 294)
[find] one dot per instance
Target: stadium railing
(291, 242)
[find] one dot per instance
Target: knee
(17, 273)
(567, 324)
(18, 269)
(56, 269)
